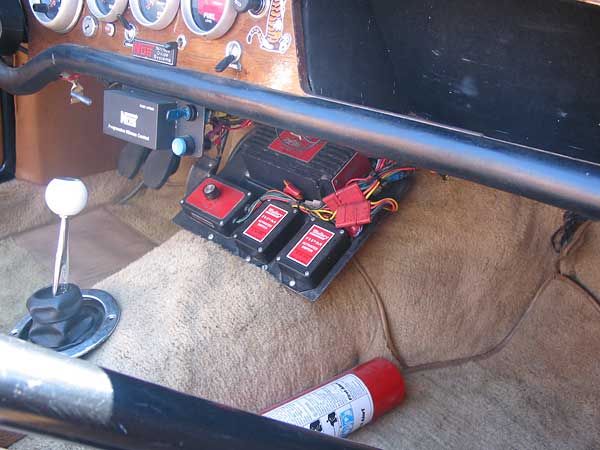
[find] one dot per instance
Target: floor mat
(99, 245)
(541, 391)
(23, 206)
(151, 212)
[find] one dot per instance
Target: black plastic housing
(304, 268)
(266, 231)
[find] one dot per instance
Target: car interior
(299, 224)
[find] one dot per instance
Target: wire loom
(384, 173)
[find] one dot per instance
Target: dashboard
(437, 84)
(258, 36)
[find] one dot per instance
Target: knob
(224, 63)
(254, 6)
(188, 113)
(41, 8)
(66, 196)
(211, 191)
(183, 145)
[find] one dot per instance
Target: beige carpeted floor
(456, 268)
(539, 392)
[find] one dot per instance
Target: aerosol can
(347, 402)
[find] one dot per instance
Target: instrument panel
(256, 36)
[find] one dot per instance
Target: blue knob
(183, 145)
(187, 113)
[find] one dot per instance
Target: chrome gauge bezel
(171, 8)
(222, 26)
(118, 8)
(66, 18)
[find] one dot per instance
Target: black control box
(267, 230)
(317, 168)
(309, 256)
(139, 118)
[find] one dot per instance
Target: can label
(264, 224)
(336, 409)
(311, 244)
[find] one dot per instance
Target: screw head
(264, 267)
(278, 258)
(260, 249)
(307, 273)
(221, 223)
(235, 236)
(292, 283)
(248, 259)
(211, 237)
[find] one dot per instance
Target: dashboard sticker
(151, 51)
(273, 39)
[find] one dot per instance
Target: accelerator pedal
(131, 159)
(159, 166)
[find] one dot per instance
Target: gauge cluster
(210, 19)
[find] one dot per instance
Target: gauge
(154, 14)
(107, 10)
(209, 18)
(57, 15)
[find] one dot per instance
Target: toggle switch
(188, 113)
(253, 6)
(41, 8)
(233, 53)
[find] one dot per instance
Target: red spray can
(347, 402)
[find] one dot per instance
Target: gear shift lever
(65, 197)
(62, 316)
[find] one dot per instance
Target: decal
(299, 147)
(273, 39)
(264, 224)
(311, 244)
(151, 51)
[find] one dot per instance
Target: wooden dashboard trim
(272, 70)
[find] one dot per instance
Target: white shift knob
(66, 196)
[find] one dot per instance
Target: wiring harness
(356, 191)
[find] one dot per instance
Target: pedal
(131, 159)
(159, 166)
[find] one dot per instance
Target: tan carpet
(456, 268)
(21, 273)
(23, 206)
(583, 262)
(457, 265)
(541, 391)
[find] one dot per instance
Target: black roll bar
(547, 177)
(47, 393)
